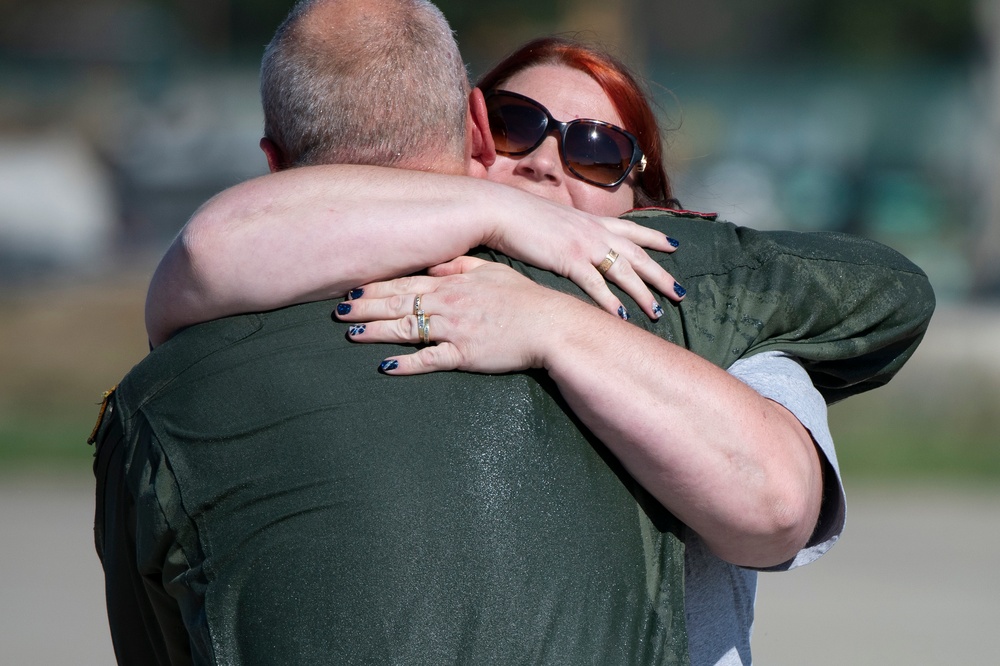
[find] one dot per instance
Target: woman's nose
(543, 163)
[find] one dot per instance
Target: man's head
(378, 82)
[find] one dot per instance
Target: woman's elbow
(785, 521)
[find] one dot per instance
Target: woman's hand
(737, 468)
(480, 317)
(573, 244)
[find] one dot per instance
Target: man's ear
(484, 150)
(276, 160)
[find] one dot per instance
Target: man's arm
(316, 232)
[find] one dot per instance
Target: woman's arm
(737, 468)
(316, 232)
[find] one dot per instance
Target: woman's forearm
(317, 232)
(308, 234)
(737, 468)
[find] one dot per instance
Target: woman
(741, 471)
(564, 80)
(711, 481)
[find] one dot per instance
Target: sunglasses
(596, 152)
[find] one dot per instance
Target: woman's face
(568, 94)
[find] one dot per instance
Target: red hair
(652, 185)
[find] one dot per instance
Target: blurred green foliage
(892, 29)
(852, 29)
(241, 29)
(880, 441)
(41, 443)
(877, 438)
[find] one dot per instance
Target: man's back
(307, 505)
(292, 503)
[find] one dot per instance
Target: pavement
(913, 581)
(51, 582)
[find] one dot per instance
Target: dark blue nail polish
(356, 329)
(657, 310)
(344, 308)
(385, 366)
(356, 293)
(679, 290)
(673, 242)
(622, 312)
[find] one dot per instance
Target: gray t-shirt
(719, 595)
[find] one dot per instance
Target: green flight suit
(266, 497)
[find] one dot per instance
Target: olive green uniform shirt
(266, 496)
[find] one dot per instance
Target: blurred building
(59, 210)
(985, 251)
(879, 118)
(114, 126)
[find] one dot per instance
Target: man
(264, 496)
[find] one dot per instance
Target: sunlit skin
(568, 94)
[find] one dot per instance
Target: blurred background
(876, 117)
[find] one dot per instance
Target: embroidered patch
(100, 415)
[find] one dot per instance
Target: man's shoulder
(214, 342)
(711, 245)
(708, 246)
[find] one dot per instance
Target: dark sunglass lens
(516, 125)
(597, 153)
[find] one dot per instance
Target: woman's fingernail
(657, 310)
(344, 308)
(356, 329)
(356, 293)
(388, 365)
(673, 242)
(622, 312)
(679, 290)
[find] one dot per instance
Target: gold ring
(416, 303)
(424, 328)
(609, 261)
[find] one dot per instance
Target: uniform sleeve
(781, 378)
(850, 310)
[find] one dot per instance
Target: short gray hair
(377, 82)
